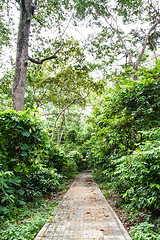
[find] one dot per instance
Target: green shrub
(7, 183)
(21, 138)
(78, 158)
(25, 230)
(139, 177)
(144, 231)
(41, 181)
(125, 141)
(25, 154)
(54, 157)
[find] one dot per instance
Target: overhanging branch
(145, 43)
(42, 60)
(54, 56)
(128, 53)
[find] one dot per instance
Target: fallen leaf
(87, 212)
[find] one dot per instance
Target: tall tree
(127, 28)
(61, 84)
(27, 8)
(41, 12)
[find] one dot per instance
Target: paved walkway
(84, 214)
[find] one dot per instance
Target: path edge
(43, 230)
(124, 231)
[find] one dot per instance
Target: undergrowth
(26, 222)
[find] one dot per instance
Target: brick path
(84, 214)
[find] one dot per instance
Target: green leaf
(24, 147)
(155, 186)
(20, 202)
(16, 180)
(21, 192)
(4, 210)
(25, 133)
(23, 153)
(13, 159)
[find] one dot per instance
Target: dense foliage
(30, 166)
(124, 148)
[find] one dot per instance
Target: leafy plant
(138, 173)
(26, 222)
(29, 162)
(144, 231)
(20, 137)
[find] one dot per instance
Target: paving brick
(84, 214)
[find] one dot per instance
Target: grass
(25, 222)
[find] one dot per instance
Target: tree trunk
(60, 129)
(20, 76)
(63, 110)
(60, 113)
(62, 133)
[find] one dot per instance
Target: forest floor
(84, 213)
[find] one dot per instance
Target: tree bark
(18, 92)
(62, 133)
(145, 43)
(60, 129)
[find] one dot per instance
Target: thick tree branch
(128, 53)
(36, 61)
(145, 44)
(42, 60)
(47, 58)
